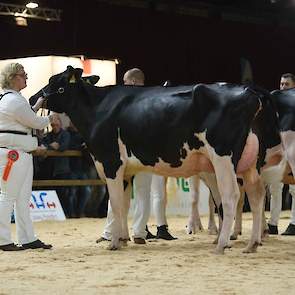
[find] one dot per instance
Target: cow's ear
(94, 79)
(70, 74)
(70, 71)
(73, 74)
(91, 79)
(78, 73)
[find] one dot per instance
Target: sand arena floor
(77, 265)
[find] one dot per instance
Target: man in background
(287, 82)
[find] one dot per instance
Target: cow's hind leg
(229, 192)
(214, 202)
(264, 228)
(255, 191)
(194, 220)
(211, 223)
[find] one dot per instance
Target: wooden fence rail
(63, 182)
(288, 179)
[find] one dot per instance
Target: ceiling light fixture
(32, 5)
(47, 14)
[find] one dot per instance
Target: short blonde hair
(8, 73)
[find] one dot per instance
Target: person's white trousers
(16, 191)
(276, 202)
(145, 185)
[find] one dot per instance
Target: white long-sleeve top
(16, 115)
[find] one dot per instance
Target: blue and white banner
(45, 205)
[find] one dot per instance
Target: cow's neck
(81, 119)
(82, 114)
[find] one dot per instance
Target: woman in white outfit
(17, 120)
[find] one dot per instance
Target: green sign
(183, 184)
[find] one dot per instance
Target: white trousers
(16, 192)
(276, 202)
(146, 185)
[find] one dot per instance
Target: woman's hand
(38, 104)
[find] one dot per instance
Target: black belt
(18, 132)
(14, 132)
(4, 147)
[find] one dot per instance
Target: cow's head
(59, 89)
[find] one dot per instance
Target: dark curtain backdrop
(183, 49)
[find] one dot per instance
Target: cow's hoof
(193, 229)
(213, 231)
(200, 227)
(190, 230)
(113, 247)
(124, 242)
(233, 237)
(212, 228)
(215, 241)
(219, 250)
(251, 248)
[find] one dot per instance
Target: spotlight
(21, 21)
(32, 5)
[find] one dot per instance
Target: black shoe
(102, 239)
(163, 233)
(290, 230)
(149, 235)
(36, 245)
(11, 247)
(272, 229)
(139, 241)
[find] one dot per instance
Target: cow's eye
(61, 90)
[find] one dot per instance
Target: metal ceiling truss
(47, 14)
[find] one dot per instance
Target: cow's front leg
(194, 220)
(255, 191)
(116, 193)
(229, 192)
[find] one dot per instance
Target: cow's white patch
(195, 161)
(273, 170)
(288, 139)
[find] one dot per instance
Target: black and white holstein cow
(273, 127)
(171, 131)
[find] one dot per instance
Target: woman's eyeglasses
(23, 75)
